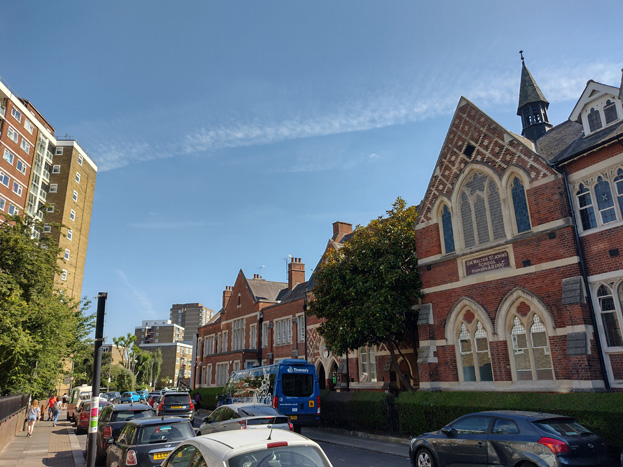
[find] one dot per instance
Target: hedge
(413, 413)
(208, 396)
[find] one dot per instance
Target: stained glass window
(605, 203)
(594, 120)
(520, 206)
(448, 234)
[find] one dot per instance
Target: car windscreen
(163, 433)
(176, 399)
(125, 415)
(297, 385)
(563, 427)
(285, 456)
(255, 410)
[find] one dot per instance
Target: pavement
(58, 446)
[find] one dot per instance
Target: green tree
(148, 366)
(125, 344)
(39, 326)
(124, 379)
(366, 290)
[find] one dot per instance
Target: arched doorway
(322, 379)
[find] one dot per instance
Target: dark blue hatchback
(509, 438)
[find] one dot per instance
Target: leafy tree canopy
(39, 326)
(365, 291)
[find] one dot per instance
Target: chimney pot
(340, 229)
(296, 273)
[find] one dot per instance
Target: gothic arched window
(520, 205)
(605, 203)
(481, 211)
(530, 349)
(618, 183)
(474, 352)
(448, 234)
(587, 213)
(594, 120)
(609, 318)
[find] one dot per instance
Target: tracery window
(610, 316)
(610, 112)
(594, 120)
(520, 205)
(587, 213)
(448, 234)
(618, 183)
(605, 203)
(531, 350)
(474, 352)
(481, 211)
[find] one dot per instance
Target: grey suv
(175, 404)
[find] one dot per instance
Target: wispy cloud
(140, 297)
(173, 225)
(425, 99)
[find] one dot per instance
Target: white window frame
(77, 177)
(13, 134)
(25, 146)
(224, 341)
(58, 151)
(8, 156)
(69, 237)
(5, 179)
(67, 254)
(265, 335)
(2, 203)
(29, 126)
(16, 114)
(50, 208)
(13, 211)
(237, 337)
(79, 160)
(283, 331)
(21, 166)
(253, 336)
(300, 321)
(75, 196)
(17, 189)
(590, 182)
(54, 188)
(47, 228)
(56, 169)
(64, 275)
(72, 215)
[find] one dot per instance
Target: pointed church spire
(532, 106)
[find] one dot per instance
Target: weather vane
(521, 54)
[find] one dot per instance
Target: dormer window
(610, 112)
(594, 120)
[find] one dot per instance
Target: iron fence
(11, 405)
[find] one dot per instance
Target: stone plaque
(490, 262)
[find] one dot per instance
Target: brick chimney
(340, 229)
(227, 295)
(296, 273)
(256, 276)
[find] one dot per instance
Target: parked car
(112, 419)
(129, 396)
(257, 448)
(510, 438)
(175, 404)
(78, 394)
(152, 397)
(244, 416)
(147, 441)
(113, 396)
(84, 415)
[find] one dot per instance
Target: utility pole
(97, 366)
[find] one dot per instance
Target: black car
(147, 442)
(175, 404)
(509, 438)
(112, 419)
(113, 396)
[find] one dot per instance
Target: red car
(83, 417)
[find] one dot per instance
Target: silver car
(243, 416)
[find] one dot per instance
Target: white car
(248, 448)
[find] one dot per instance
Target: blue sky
(229, 135)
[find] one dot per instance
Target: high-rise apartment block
(190, 316)
(158, 331)
(48, 179)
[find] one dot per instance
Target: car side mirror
(448, 431)
(206, 420)
(110, 441)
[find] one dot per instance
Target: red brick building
(510, 287)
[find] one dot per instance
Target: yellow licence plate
(176, 406)
(161, 455)
(293, 417)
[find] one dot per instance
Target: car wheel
(423, 458)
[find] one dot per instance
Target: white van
(78, 394)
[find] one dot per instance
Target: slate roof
(529, 91)
(266, 291)
(566, 141)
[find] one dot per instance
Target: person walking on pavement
(65, 400)
(51, 402)
(56, 410)
(32, 415)
(197, 402)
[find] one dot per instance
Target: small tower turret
(532, 106)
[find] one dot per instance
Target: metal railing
(11, 405)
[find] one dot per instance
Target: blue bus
(290, 386)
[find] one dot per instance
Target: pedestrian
(56, 410)
(32, 415)
(51, 402)
(197, 402)
(65, 400)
